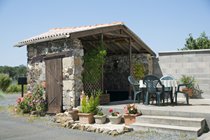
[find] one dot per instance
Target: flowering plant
(32, 102)
(113, 113)
(131, 109)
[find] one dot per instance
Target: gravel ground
(14, 127)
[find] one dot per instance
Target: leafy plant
(90, 105)
(138, 71)
(32, 102)
(113, 113)
(5, 81)
(131, 109)
(202, 42)
(99, 112)
(188, 80)
(93, 62)
(14, 88)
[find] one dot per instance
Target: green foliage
(138, 71)
(14, 88)
(14, 72)
(99, 112)
(93, 62)
(196, 92)
(5, 81)
(202, 42)
(188, 79)
(90, 105)
(32, 102)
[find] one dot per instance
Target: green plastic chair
(168, 90)
(183, 92)
(151, 83)
(135, 87)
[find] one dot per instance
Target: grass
(1, 95)
(2, 108)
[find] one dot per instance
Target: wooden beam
(102, 67)
(117, 35)
(130, 64)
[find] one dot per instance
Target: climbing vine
(138, 70)
(93, 62)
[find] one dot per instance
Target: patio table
(167, 84)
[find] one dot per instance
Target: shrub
(90, 105)
(14, 88)
(32, 102)
(5, 81)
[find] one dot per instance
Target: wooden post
(130, 65)
(102, 67)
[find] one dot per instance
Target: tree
(202, 42)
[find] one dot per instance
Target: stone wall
(193, 63)
(72, 67)
(116, 70)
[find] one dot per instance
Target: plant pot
(104, 99)
(100, 119)
(86, 118)
(73, 114)
(130, 118)
(189, 91)
(115, 119)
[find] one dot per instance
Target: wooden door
(54, 84)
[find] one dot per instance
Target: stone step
(171, 120)
(190, 131)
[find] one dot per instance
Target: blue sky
(162, 24)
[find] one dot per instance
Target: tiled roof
(58, 33)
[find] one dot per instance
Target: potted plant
(100, 117)
(88, 109)
(131, 112)
(190, 82)
(115, 117)
(104, 98)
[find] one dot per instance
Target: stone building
(57, 58)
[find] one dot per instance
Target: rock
(98, 130)
(60, 114)
(120, 131)
(101, 130)
(113, 133)
(82, 127)
(91, 129)
(33, 112)
(106, 131)
(67, 124)
(58, 121)
(65, 119)
(127, 129)
(75, 126)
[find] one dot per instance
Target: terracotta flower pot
(130, 118)
(86, 118)
(189, 91)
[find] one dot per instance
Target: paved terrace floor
(199, 108)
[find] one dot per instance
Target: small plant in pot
(115, 117)
(100, 117)
(131, 112)
(89, 107)
(190, 82)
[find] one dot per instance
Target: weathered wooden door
(54, 84)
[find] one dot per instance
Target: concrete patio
(183, 114)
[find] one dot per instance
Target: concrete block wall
(193, 63)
